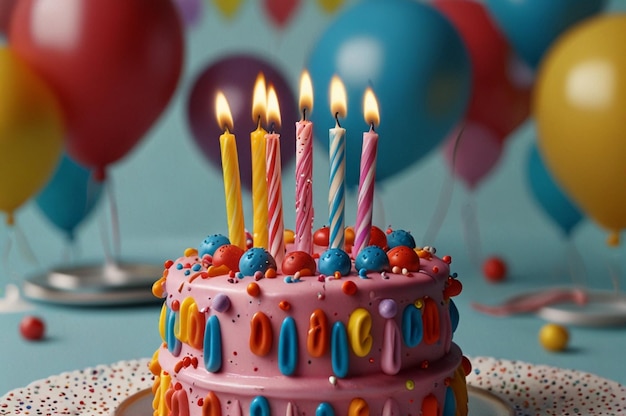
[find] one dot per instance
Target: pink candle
(304, 170)
(276, 229)
(367, 178)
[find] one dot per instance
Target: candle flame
(259, 99)
(273, 109)
(306, 92)
(370, 108)
(222, 111)
(338, 99)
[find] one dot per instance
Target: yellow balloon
(580, 109)
(31, 132)
(228, 7)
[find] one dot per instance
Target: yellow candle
(230, 169)
(259, 184)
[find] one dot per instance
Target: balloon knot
(99, 174)
(10, 221)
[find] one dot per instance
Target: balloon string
(615, 271)
(445, 197)
(471, 232)
(575, 263)
(115, 223)
(17, 238)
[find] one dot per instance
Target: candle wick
(337, 118)
(258, 123)
(304, 114)
(372, 127)
(272, 126)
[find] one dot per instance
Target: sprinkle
(337, 275)
(396, 269)
(284, 305)
(435, 269)
(405, 271)
(175, 305)
(258, 275)
(168, 264)
(363, 273)
(321, 296)
(179, 266)
(253, 289)
(419, 304)
(288, 279)
(410, 384)
(321, 278)
(332, 380)
(270, 273)
(349, 287)
(190, 252)
(447, 259)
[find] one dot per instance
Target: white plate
(527, 388)
(481, 402)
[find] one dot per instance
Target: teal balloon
(418, 67)
(554, 202)
(69, 197)
(531, 26)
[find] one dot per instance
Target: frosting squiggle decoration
(159, 389)
(259, 407)
(412, 330)
(173, 344)
(318, 336)
(211, 405)
(391, 408)
(191, 327)
(324, 409)
(213, 345)
(177, 399)
(430, 317)
(261, 334)
(288, 347)
(358, 407)
(359, 331)
(449, 403)
(339, 350)
(391, 354)
(430, 407)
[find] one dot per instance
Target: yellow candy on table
(554, 337)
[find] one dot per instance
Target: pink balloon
(475, 155)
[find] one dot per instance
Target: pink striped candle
(304, 170)
(276, 228)
(367, 178)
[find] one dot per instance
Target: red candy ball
(494, 269)
(404, 257)
(299, 261)
(321, 236)
(32, 328)
(228, 255)
(378, 238)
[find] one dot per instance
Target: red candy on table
(32, 328)
(494, 269)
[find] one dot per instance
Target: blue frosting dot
(256, 259)
(400, 238)
(212, 243)
(334, 260)
(372, 259)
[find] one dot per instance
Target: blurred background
(441, 68)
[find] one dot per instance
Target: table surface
(80, 337)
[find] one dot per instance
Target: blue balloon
(531, 26)
(69, 196)
(418, 67)
(549, 195)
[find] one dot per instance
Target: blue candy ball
(256, 259)
(334, 260)
(372, 259)
(211, 244)
(400, 238)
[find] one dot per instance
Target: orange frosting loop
(211, 405)
(261, 334)
(430, 319)
(358, 407)
(318, 336)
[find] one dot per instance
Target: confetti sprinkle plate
(527, 388)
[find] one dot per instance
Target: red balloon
(281, 10)
(113, 64)
(6, 11)
(500, 97)
(235, 77)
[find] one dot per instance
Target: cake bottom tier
(435, 389)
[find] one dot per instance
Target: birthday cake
(326, 336)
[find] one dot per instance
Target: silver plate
(603, 308)
(95, 285)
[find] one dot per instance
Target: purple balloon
(235, 77)
(190, 11)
